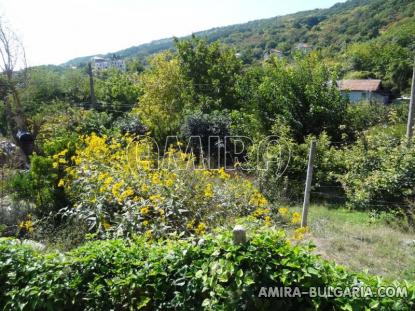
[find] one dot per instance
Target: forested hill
(333, 28)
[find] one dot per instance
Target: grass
(354, 240)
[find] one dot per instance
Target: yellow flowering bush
(121, 182)
(300, 232)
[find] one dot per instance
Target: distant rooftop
(369, 85)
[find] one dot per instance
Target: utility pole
(410, 126)
(93, 100)
(308, 184)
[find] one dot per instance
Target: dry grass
(353, 240)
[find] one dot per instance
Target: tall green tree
(212, 71)
(302, 93)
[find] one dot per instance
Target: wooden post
(410, 125)
(91, 87)
(308, 184)
(239, 235)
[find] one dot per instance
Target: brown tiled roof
(370, 85)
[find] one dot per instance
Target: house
(363, 90)
(273, 52)
(99, 63)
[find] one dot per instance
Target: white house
(99, 63)
(363, 90)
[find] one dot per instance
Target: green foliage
(383, 60)
(365, 115)
(380, 170)
(211, 70)
(119, 187)
(301, 94)
(39, 185)
(284, 164)
(130, 124)
(43, 86)
(116, 91)
(203, 274)
(211, 129)
(162, 103)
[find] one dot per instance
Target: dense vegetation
(192, 274)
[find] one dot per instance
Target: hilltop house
(104, 63)
(363, 90)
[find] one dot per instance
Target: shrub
(130, 124)
(187, 274)
(380, 170)
(212, 130)
(362, 116)
(119, 186)
(284, 176)
(39, 185)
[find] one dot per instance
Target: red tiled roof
(369, 85)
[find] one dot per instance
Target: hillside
(333, 28)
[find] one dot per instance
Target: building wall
(358, 96)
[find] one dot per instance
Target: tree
(12, 56)
(163, 96)
(117, 92)
(212, 71)
(301, 93)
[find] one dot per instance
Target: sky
(55, 31)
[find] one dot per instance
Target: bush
(39, 185)
(284, 177)
(207, 128)
(362, 116)
(380, 170)
(192, 274)
(130, 124)
(119, 186)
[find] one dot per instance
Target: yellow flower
(144, 210)
(61, 183)
(145, 223)
(299, 233)
(209, 190)
(223, 174)
(126, 193)
(26, 225)
(156, 198)
(283, 211)
(296, 218)
(155, 179)
(63, 152)
(106, 225)
(108, 181)
(260, 212)
(101, 176)
(267, 220)
(62, 161)
(258, 199)
(55, 164)
(116, 188)
(148, 234)
(144, 187)
(189, 225)
(200, 229)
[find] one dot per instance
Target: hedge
(208, 273)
